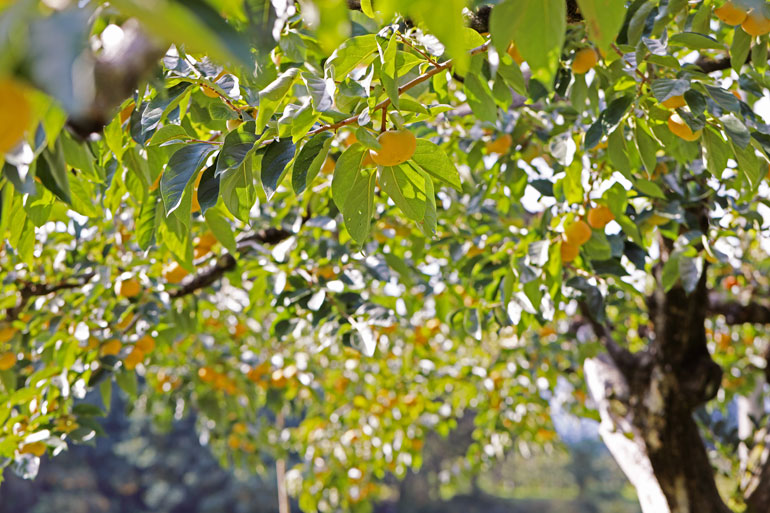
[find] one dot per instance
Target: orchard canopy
(327, 228)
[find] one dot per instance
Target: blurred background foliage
(137, 467)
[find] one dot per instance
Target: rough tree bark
(646, 407)
(646, 410)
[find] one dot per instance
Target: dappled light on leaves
(331, 231)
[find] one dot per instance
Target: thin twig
(205, 142)
(384, 104)
(30, 290)
(636, 68)
(384, 120)
(425, 54)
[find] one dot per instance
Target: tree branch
(384, 104)
(227, 262)
(622, 357)
(116, 75)
(30, 290)
(737, 313)
(710, 65)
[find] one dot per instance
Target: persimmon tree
(330, 227)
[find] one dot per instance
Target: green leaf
(208, 189)
(598, 247)
(480, 99)
(739, 50)
(759, 55)
(649, 188)
(236, 186)
(407, 188)
(388, 72)
(593, 135)
(277, 156)
(345, 173)
(471, 323)
(648, 147)
(696, 102)
(169, 134)
(77, 155)
(405, 103)
(220, 227)
(603, 19)
(748, 164)
(82, 193)
(181, 170)
(146, 223)
(695, 41)
(736, 130)
(236, 147)
(717, 151)
(158, 108)
(52, 172)
(434, 161)
(670, 273)
(629, 228)
(39, 206)
(638, 22)
(366, 138)
(573, 183)
(615, 112)
(366, 8)
(272, 96)
(334, 26)
(309, 161)
(513, 76)
(350, 54)
(359, 205)
(665, 88)
(428, 223)
(535, 26)
(700, 21)
(617, 151)
(127, 382)
(446, 23)
(320, 92)
(724, 98)
(611, 266)
(7, 201)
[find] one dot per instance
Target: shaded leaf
(277, 156)
(181, 170)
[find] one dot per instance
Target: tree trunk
(647, 404)
(280, 474)
(655, 441)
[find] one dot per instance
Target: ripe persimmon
(398, 146)
(577, 233)
(599, 217)
(584, 60)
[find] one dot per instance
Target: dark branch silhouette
(30, 290)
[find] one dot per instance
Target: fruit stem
(383, 126)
